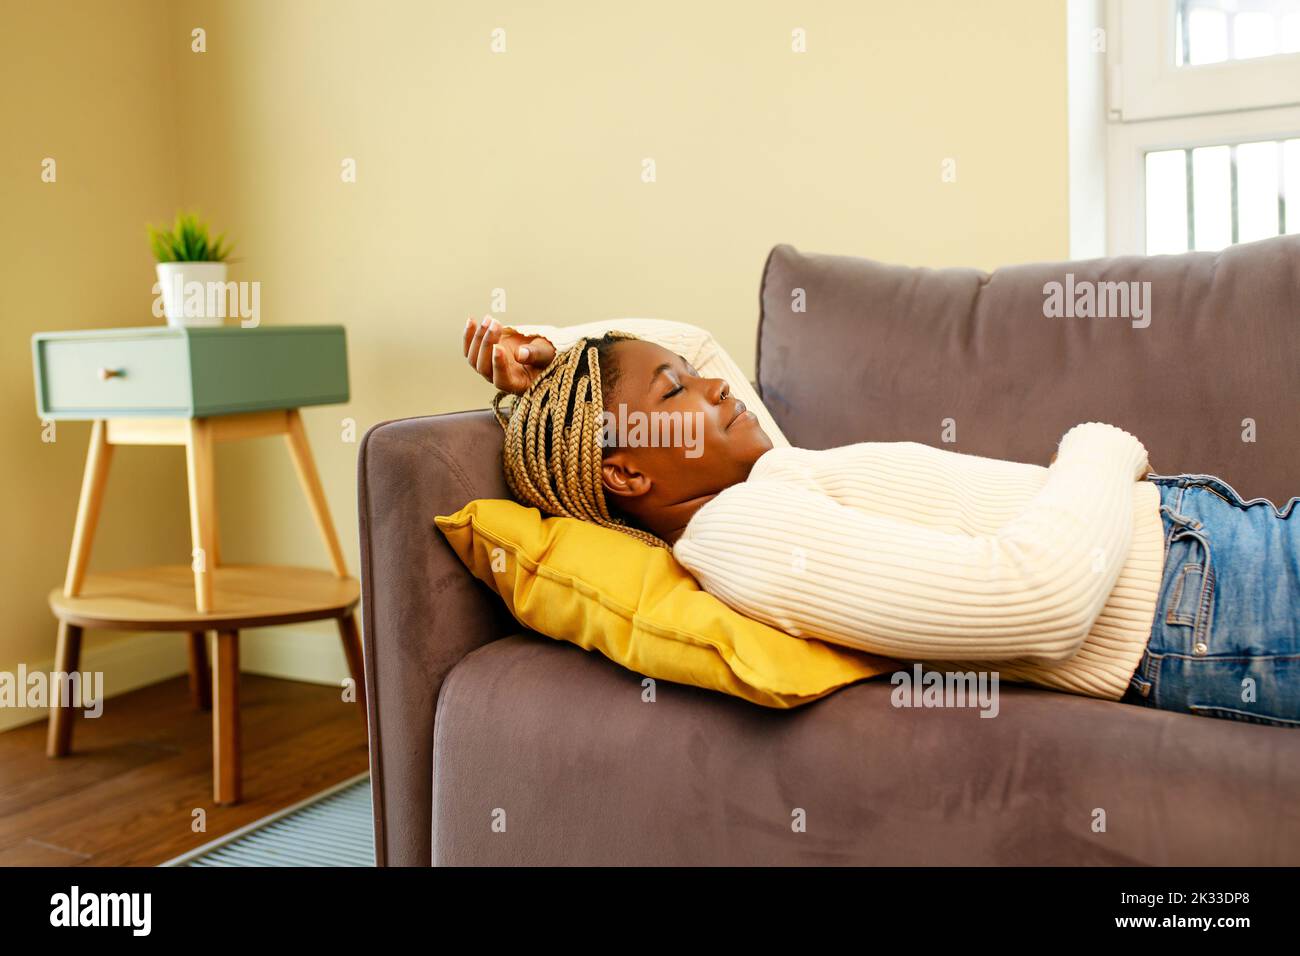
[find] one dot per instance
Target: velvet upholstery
(472, 721)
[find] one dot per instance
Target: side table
(194, 387)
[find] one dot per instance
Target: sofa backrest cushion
(1204, 368)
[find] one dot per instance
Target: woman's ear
(620, 477)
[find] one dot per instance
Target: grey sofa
(474, 721)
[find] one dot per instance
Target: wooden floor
(126, 795)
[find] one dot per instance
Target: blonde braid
(551, 454)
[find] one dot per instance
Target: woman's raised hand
(510, 360)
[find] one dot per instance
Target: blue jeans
(1225, 641)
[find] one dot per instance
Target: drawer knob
(106, 373)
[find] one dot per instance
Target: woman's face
(695, 437)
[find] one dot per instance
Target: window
(1186, 57)
(1203, 123)
(1212, 31)
(1209, 197)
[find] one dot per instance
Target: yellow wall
(91, 89)
(518, 170)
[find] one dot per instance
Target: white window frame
(1128, 144)
(1152, 86)
(1157, 110)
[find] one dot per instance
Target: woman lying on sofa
(1089, 576)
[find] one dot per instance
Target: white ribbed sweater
(1049, 576)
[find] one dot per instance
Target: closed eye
(690, 370)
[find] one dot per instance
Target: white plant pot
(189, 294)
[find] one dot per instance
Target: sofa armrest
(422, 611)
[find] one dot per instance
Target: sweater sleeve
(691, 342)
(797, 559)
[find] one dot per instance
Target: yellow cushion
(604, 590)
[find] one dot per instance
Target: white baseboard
(310, 653)
(128, 662)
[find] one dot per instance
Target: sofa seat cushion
(557, 745)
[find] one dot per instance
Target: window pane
(1207, 36)
(1253, 35)
(1291, 162)
(1166, 190)
(1256, 191)
(1289, 41)
(1212, 196)
(1212, 31)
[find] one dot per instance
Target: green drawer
(163, 372)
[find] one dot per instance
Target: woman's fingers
(476, 345)
(540, 353)
(503, 359)
(469, 335)
(487, 336)
(501, 372)
(488, 347)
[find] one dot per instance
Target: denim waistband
(1219, 487)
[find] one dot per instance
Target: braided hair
(553, 436)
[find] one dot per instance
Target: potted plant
(189, 263)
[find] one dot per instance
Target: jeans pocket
(1189, 585)
(1251, 688)
(1185, 602)
(1232, 713)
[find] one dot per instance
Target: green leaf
(187, 241)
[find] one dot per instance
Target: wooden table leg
(200, 677)
(93, 482)
(356, 661)
(199, 468)
(300, 451)
(210, 508)
(225, 720)
(67, 660)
